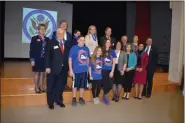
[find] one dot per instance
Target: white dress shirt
(65, 35)
(117, 54)
(61, 43)
(149, 48)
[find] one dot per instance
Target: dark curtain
(142, 25)
(100, 14)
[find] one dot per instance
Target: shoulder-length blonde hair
(131, 50)
(93, 57)
(88, 32)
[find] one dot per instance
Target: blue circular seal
(25, 30)
(40, 18)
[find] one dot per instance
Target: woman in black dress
(37, 53)
(120, 67)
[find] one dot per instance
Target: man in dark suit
(56, 65)
(108, 32)
(152, 63)
(68, 38)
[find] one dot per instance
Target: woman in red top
(141, 71)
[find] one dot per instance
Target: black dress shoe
(114, 98)
(136, 97)
(124, 97)
(61, 105)
(127, 98)
(51, 107)
(148, 96)
(139, 98)
(143, 94)
(117, 99)
(42, 90)
(37, 91)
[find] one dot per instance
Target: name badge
(56, 47)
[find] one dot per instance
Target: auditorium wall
(161, 16)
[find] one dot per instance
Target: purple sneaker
(108, 102)
(105, 100)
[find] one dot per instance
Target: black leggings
(96, 87)
(128, 81)
(106, 81)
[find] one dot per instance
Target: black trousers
(96, 87)
(55, 87)
(149, 83)
(128, 81)
(65, 74)
(106, 81)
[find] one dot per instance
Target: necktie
(147, 49)
(62, 47)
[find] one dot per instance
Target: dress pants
(55, 87)
(149, 83)
(65, 75)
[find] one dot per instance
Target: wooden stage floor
(17, 87)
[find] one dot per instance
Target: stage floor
(17, 85)
(16, 69)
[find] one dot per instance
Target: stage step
(29, 98)
(40, 99)
(17, 87)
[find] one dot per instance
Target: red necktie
(62, 48)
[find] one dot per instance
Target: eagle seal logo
(35, 17)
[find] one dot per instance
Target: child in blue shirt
(78, 66)
(95, 73)
(109, 59)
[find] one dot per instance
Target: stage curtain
(142, 24)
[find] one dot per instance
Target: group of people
(92, 63)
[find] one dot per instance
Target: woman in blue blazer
(129, 72)
(67, 36)
(37, 53)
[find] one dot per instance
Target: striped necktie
(147, 49)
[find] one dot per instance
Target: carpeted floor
(161, 108)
